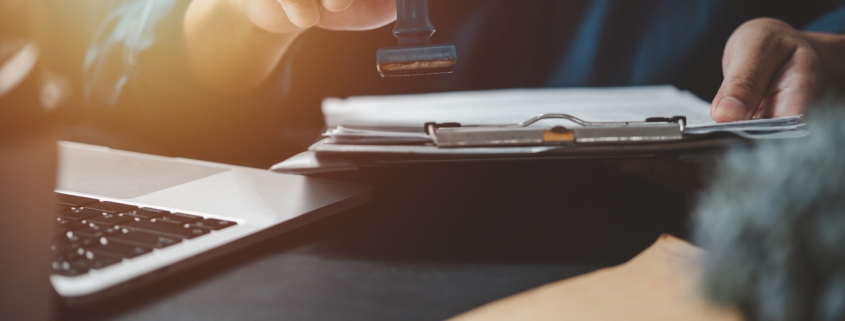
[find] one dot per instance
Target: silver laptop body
(258, 204)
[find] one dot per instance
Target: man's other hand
(284, 16)
(773, 70)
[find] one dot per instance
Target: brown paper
(660, 283)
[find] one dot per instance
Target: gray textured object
(773, 221)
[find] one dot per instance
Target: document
(405, 115)
(660, 284)
(374, 130)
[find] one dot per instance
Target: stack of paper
(376, 130)
(400, 119)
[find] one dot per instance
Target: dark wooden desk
(437, 240)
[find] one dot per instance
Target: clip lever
(650, 130)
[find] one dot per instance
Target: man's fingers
(302, 13)
(794, 87)
(336, 5)
(360, 15)
(752, 58)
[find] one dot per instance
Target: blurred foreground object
(774, 223)
(29, 100)
(27, 179)
(658, 284)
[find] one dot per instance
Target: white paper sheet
(511, 106)
(515, 105)
(393, 125)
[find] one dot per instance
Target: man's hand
(284, 16)
(773, 70)
(234, 45)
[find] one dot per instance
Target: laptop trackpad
(123, 175)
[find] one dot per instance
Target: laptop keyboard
(93, 234)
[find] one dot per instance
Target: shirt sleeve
(137, 64)
(833, 22)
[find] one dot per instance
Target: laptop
(127, 218)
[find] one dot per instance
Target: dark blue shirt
(136, 78)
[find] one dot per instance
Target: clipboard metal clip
(522, 134)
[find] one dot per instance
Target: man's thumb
(739, 98)
(753, 55)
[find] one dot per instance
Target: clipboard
(379, 131)
(453, 142)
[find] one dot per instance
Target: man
(770, 68)
(227, 76)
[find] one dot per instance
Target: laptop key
(92, 231)
(101, 262)
(212, 224)
(164, 229)
(110, 207)
(69, 249)
(96, 258)
(108, 249)
(144, 212)
(108, 219)
(63, 251)
(77, 214)
(61, 233)
(67, 256)
(72, 267)
(73, 239)
(142, 239)
(65, 225)
(75, 201)
(178, 218)
(62, 247)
